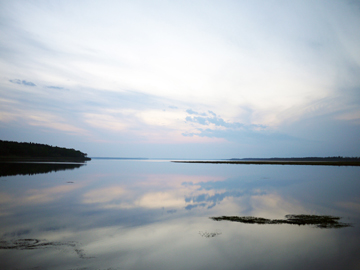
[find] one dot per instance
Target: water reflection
(10, 169)
(143, 215)
(30, 244)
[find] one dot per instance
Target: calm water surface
(121, 214)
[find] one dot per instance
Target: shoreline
(277, 162)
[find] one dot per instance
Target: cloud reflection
(161, 199)
(104, 195)
(39, 196)
(131, 214)
(35, 197)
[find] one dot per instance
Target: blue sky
(185, 79)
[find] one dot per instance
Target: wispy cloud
(190, 111)
(156, 73)
(23, 82)
(207, 120)
(55, 87)
(211, 125)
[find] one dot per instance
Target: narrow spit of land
(35, 152)
(326, 161)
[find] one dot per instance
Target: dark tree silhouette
(23, 149)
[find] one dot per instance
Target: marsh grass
(323, 222)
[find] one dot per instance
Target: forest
(11, 149)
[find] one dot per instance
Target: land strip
(274, 162)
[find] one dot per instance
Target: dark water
(143, 214)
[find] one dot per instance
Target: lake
(155, 214)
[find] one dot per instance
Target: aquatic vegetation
(209, 234)
(315, 220)
(26, 244)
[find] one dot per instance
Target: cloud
(216, 120)
(264, 68)
(217, 127)
(55, 87)
(212, 113)
(207, 120)
(192, 206)
(105, 122)
(242, 135)
(23, 82)
(190, 111)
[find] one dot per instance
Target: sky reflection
(154, 215)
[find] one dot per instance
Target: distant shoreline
(277, 162)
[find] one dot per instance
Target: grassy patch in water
(315, 220)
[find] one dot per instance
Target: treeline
(334, 158)
(16, 149)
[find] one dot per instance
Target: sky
(182, 79)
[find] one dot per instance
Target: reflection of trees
(8, 169)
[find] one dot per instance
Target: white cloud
(105, 121)
(256, 63)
